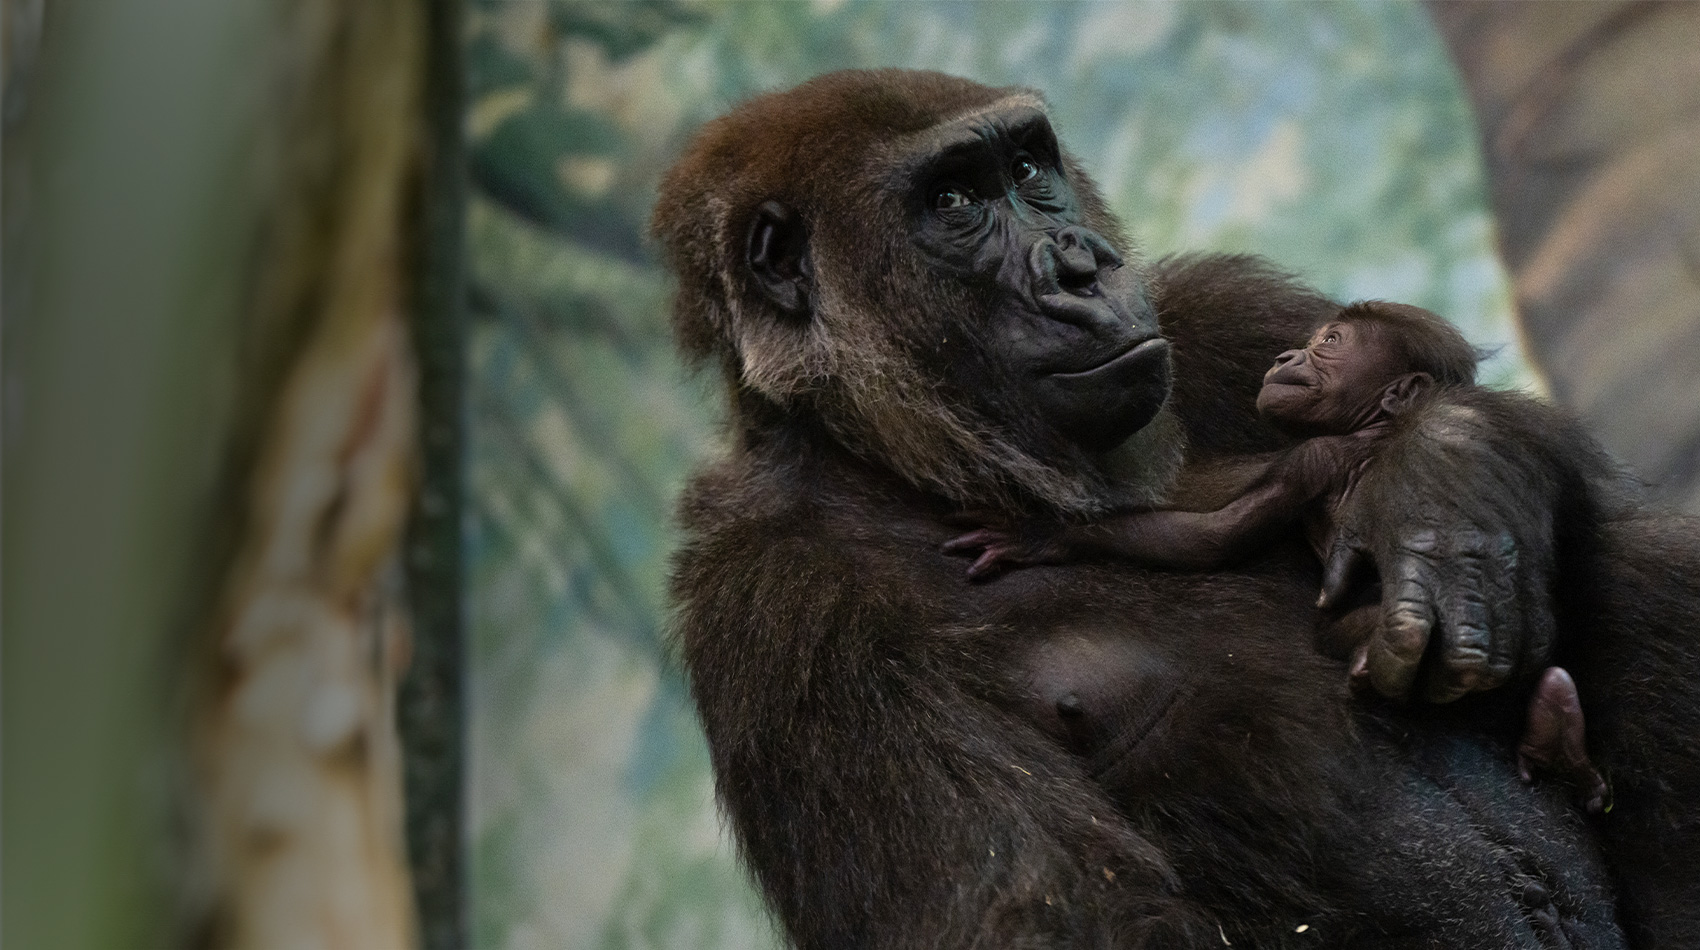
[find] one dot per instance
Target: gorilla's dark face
(914, 261)
(991, 203)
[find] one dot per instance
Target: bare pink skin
(1553, 739)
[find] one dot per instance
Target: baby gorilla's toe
(1555, 739)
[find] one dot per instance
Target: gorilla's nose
(1071, 259)
(1076, 264)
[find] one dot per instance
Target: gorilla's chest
(1157, 679)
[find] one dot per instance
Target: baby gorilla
(1341, 394)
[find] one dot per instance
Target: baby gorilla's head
(1366, 365)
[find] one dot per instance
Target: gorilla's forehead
(1023, 101)
(1009, 118)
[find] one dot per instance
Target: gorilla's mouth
(1152, 347)
(1287, 376)
(1100, 406)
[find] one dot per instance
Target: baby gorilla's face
(1331, 387)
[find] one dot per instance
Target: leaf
(519, 165)
(490, 66)
(622, 29)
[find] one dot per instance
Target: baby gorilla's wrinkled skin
(1340, 393)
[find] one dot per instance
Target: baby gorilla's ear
(1403, 393)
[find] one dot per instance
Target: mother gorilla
(921, 305)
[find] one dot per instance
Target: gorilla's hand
(1456, 515)
(999, 544)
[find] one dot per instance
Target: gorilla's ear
(778, 255)
(1404, 392)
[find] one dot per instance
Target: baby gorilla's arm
(1186, 540)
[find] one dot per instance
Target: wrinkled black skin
(894, 747)
(1069, 316)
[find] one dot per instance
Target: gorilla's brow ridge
(1013, 119)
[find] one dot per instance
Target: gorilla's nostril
(1077, 266)
(1084, 284)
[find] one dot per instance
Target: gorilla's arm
(1463, 515)
(1177, 539)
(1457, 514)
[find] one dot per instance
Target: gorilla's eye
(946, 197)
(1331, 337)
(1023, 169)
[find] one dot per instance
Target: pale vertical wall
(210, 455)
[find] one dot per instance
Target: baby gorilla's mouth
(1287, 375)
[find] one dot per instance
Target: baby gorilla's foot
(1554, 739)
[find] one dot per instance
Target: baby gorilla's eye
(946, 197)
(1023, 169)
(1331, 338)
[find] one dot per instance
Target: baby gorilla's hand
(999, 545)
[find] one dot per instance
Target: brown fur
(870, 715)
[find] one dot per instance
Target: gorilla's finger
(1529, 594)
(1397, 649)
(1462, 663)
(1357, 671)
(1343, 561)
(1511, 633)
(1464, 621)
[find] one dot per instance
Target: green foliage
(1331, 137)
(517, 165)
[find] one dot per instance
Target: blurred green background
(1332, 137)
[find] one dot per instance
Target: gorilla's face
(990, 205)
(909, 264)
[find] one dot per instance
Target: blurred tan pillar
(1589, 116)
(297, 756)
(209, 453)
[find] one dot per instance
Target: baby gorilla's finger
(1555, 739)
(987, 563)
(972, 541)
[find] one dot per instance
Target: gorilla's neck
(976, 468)
(1145, 467)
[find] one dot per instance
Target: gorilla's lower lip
(1280, 378)
(1140, 351)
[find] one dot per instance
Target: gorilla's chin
(1100, 408)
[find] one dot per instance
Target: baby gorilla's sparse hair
(1424, 340)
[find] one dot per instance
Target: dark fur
(1424, 341)
(872, 717)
